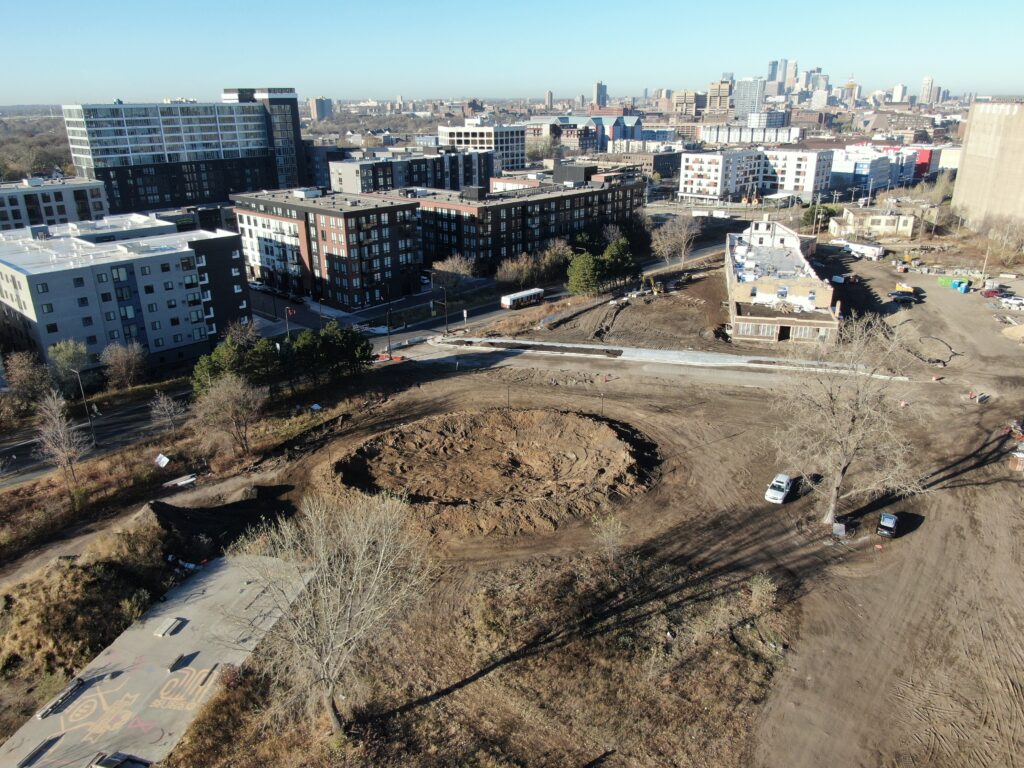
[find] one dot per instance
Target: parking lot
(140, 695)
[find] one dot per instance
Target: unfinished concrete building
(774, 292)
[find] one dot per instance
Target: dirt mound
(502, 471)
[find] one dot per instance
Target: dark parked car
(888, 525)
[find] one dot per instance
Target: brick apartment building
(347, 250)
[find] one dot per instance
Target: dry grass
(547, 663)
(528, 318)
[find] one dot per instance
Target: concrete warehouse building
(121, 279)
(991, 173)
(774, 292)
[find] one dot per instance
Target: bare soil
(503, 471)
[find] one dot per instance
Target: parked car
(257, 285)
(294, 299)
(888, 525)
(779, 489)
(905, 299)
(991, 293)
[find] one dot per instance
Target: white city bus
(522, 298)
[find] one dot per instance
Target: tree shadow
(690, 564)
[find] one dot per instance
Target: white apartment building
(733, 173)
(117, 280)
(804, 173)
(507, 141)
(31, 202)
(722, 175)
(725, 133)
(121, 135)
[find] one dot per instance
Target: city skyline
(270, 48)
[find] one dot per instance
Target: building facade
(118, 280)
(774, 293)
(320, 108)
(508, 142)
(725, 133)
(600, 94)
(349, 251)
(444, 170)
(748, 96)
(151, 156)
(872, 222)
(991, 165)
(498, 227)
(50, 201)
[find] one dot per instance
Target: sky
(69, 51)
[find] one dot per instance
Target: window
(188, 263)
(196, 315)
(235, 272)
(79, 282)
(168, 285)
(120, 274)
(101, 277)
(165, 267)
(87, 321)
(42, 288)
(151, 307)
(147, 289)
(172, 303)
(146, 270)
(51, 328)
(90, 339)
(46, 308)
(158, 342)
(123, 293)
(238, 289)
(83, 301)
(177, 338)
(105, 297)
(199, 333)
(155, 325)
(114, 335)
(175, 321)
(128, 312)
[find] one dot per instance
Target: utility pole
(85, 405)
(287, 327)
(984, 267)
(388, 322)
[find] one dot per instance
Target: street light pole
(85, 405)
(388, 323)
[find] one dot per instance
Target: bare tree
(28, 378)
(845, 416)
(452, 271)
(361, 566)
(229, 407)
(59, 441)
(165, 411)
(124, 362)
(675, 237)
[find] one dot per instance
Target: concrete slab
(142, 692)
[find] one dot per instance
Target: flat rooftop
(768, 260)
(21, 253)
(332, 201)
(548, 192)
(36, 183)
(141, 693)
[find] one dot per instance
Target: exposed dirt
(503, 471)
(686, 318)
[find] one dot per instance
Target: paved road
(114, 429)
(140, 694)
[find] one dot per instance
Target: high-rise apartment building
(733, 173)
(321, 108)
(282, 110)
(30, 202)
(152, 156)
(748, 96)
(349, 251)
(689, 103)
(899, 93)
(926, 91)
(549, 100)
(600, 94)
(121, 279)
